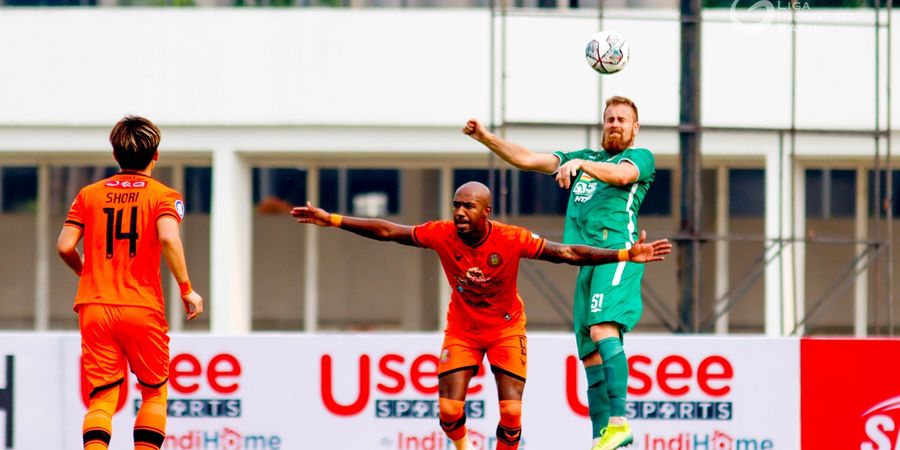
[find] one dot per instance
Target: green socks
(615, 370)
(598, 399)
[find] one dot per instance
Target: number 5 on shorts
(597, 303)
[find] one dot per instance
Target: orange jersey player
(486, 316)
(127, 221)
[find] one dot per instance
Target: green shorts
(606, 293)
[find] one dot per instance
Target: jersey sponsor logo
(476, 283)
(475, 275)
(179, 208)
(584, 190)
(126, 184)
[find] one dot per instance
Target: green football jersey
(602, 215)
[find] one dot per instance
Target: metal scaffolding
(874, 249)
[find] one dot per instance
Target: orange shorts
(505, 354)
(112, 336)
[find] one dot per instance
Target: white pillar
(311, 258)
(446, 203)
(230, 241)
(176, 311)
(723, 275)
(42, 268)
(798, 249)
(175, 308)
(777, 271)
(861, 286)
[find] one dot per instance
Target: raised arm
(583, 255)
(377, 229)
(515, 154)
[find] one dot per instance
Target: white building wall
(392, 87)
(382, 67)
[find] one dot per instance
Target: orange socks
(150, 423)
(509, 431)
(453, 421)
(96, 430)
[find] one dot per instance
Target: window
(658, 201)
(895, 201)
(198, 189)
(361, 192)
(18, 189)
(539, 194)
(830, 193)
(276, 190)
(746, 192)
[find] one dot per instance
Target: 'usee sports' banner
(379, 392)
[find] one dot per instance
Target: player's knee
(511, 413)
(509, 430)
(452, 414)
(104, 400)
(609, 348)
(156, 393)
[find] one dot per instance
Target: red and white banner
(379, 392)
(851, 394)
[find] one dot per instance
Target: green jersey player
(607, 188)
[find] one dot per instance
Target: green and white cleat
(616, 437)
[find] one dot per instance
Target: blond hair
(619, 100)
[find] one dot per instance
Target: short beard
(616, 145)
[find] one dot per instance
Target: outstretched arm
(513, 153)
(377, 229)
(583, 255)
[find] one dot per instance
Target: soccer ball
(607, 52)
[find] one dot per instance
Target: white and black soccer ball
(607, 52)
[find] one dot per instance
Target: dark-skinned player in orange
(486, 316)
(129, 222)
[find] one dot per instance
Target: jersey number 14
(114, 230)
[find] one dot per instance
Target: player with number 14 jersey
(121, 248)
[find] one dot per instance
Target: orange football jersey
(118, 216)
(483, 277)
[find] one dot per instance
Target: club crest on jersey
(179, 208)
(494, 260)
(445, 355)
